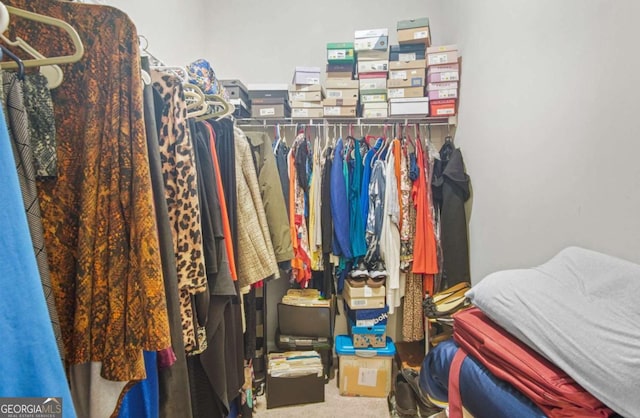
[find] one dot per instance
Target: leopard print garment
(181, 192)
(98, 213)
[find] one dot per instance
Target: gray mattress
(581, 310)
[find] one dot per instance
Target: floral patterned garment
(181, 191)
(98, 213)
(42, 124)
(407, 229)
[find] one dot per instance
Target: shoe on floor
(425, 406)
(405, 398)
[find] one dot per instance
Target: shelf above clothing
(389, 121)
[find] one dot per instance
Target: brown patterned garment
(408, 229)
(412, 316)
(98, 213)
(181, 191)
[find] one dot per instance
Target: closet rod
(366, 125)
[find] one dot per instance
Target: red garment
(425, 259)
(228, 240)
(551, 389)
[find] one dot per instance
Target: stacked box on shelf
(341, 90)
(306, 93)
(372, 51)
(269, 100)
(367, 327)
(238, 97)
(443, 76)
(407, 75)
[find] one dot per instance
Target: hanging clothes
(425, 260)
(42, 127)
(339, 204)
(408, 214)
(98, 213)
(20, 133)
(390, 235)
(173, 380)
(356, 223)
(272, 195)
(29, 359)
(256, 258)
(366, 178)
(281, 154)
(181, 192)
(315, 215)
(451, 190)
(301, 263)
(375, 217)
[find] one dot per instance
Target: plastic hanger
(40, 62)
(17, 59)
(4, 18)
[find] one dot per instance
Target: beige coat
(256, 258)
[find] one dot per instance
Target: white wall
(175, 29)
(549, 127)
(261, 41)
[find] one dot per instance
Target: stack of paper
(305, 297)
(295, 363)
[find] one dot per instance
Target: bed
(578, 311)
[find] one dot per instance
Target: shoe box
(364, 297)
(364, 372)
(367, 327)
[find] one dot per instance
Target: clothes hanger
(4, 18)
(17, 59)
(39, 62)
(193, 92)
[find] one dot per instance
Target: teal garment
(356, 221)
(29, 357)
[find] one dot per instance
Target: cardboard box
(375, 113)
(413, 23)
(341, 68)
(407, 65)
(379, 42)
(368, 317)
(306, 75)
(443, 94)
(418, 73)
(340, 75)
(442, 48)
(372, 55)
(420, 35)
(307, 105)
(341, 84)
(285, 391)
(364, 302)
(405, 92)
(340, 102)
(407, 56)
(260, 111)
(306, 112)
(442, 76)
(378, 74)
(443, 107)
(363, 337)
(340, 111)
(305, 87)
(410, 106)
(365, 291)
(438, 58)
(373, 83)
(412, 82)
(236, 89)
(442, 86)
(306, 96)
(269, 101)
(370, 33)
(364, 372)
(374, 97)
(373, 66)
(342, 93)
(340, 52)
(268, 90)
